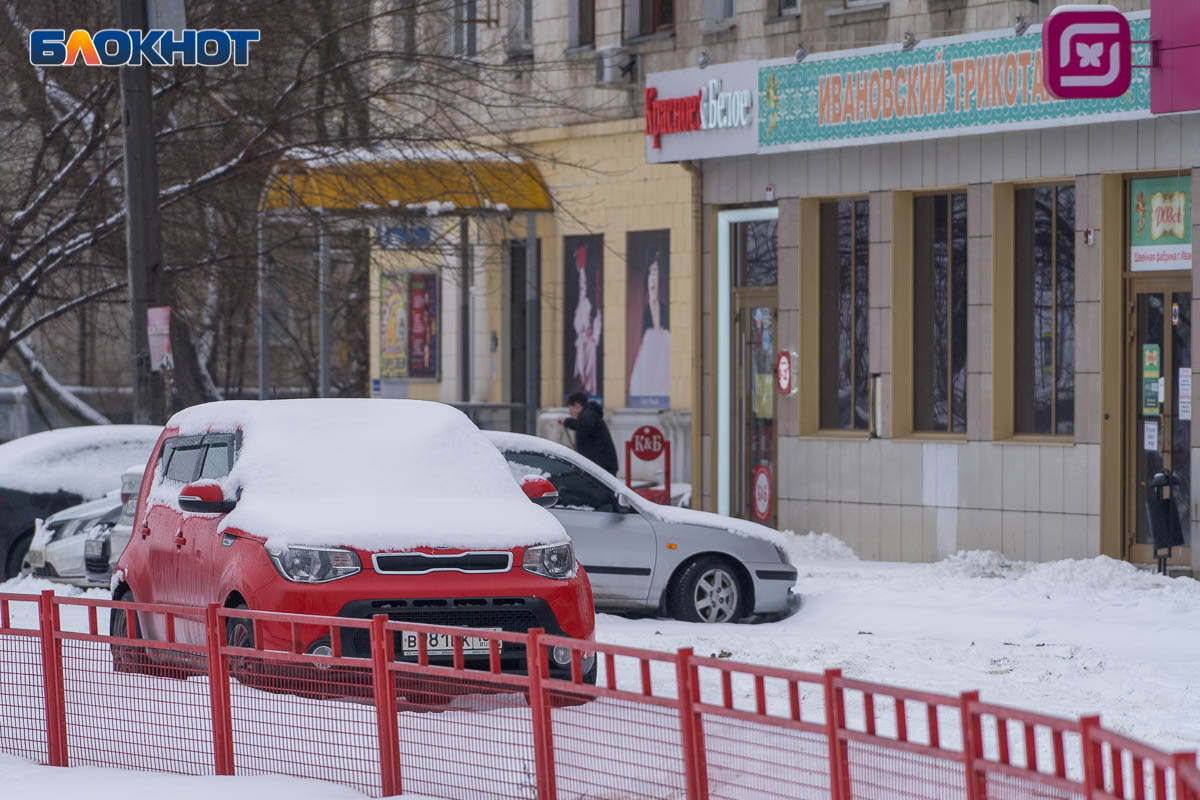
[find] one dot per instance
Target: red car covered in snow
(346, 508)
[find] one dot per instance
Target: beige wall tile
(1051, 478)
(1013, 534)
(1051, 546)
(1075, 479)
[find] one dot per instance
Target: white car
(649, 558)
(59, 541)
(105, 543)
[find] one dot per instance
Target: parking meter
(1165, 531)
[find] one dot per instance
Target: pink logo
(1086, 53)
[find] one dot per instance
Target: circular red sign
(762, 492)
(784, 376)
(648, 443)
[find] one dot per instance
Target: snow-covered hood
(672, 515)
(86, 460)
(371, 474)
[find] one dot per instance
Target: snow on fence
(655, 725)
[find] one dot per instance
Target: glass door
(754, 423)
(1160, 399)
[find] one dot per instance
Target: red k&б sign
(1087, 53)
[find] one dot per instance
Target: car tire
(126, 658)
(12, 564)
(239, 632)
(709, 590)
(568, 699)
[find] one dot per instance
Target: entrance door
(518, 308)
(754, 350)
(1159, 402)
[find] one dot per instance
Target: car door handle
(179, 540)
(145, 530)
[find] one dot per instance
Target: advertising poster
(583, 305)
(393, 325)
(1160, 224)
(647, 319)
(422, 325)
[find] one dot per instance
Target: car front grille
(417, 563)
(96, 564)
(514, 614)
(45, 571)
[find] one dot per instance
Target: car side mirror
(624, 504)
(540, 491)
(205, 497)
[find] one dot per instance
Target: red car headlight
(315, 564)
(551, 561)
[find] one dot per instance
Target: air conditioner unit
(615, 67)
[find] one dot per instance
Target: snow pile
(816, 547)
(374, 474)
(523, 443)
(979, 564)
(86, 460)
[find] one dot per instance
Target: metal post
(464, 311)
(324, 257)
(972, 744)
(218, 692)
(52, 682)
(536, 669)
(533, 346)
(143, 236)
(263, 343)
(834, 714)
(691, 729)
(383, 653)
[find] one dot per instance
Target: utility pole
(143, 237)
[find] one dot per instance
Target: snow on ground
(1066, 638)
(24, 780)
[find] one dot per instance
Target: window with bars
(844, 276)
(1044, 273)
(940, 313)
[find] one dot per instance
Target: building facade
(988, 293)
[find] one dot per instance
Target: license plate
(37, 559)
(94, 548)
(442, 644)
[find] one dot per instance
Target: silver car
(59, 542)
(645, 557)
(105, 543)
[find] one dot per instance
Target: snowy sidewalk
(1065, 638)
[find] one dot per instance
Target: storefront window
(754, 250)
(845, 243)
(940, 313)
(1045, 310)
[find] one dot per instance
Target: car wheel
(125, 657)
(12, 565)
(239, 632)
(709, 590)
(568, 699)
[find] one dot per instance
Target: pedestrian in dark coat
(592, 439)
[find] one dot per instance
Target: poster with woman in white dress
(647, 329)
(583, 327)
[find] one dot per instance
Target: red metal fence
(183, 698)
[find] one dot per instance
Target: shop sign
(647, 443)
(1151, 380)
(701, 113)
(761, 484)
(978, 83)
(158, 328)
(785, 372)
(1160, 224)
(1087, 52)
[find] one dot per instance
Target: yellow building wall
(601, 184)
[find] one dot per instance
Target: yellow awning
(410, 181)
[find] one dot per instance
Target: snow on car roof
(369, 473)
(86, 460)
(524, 443)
